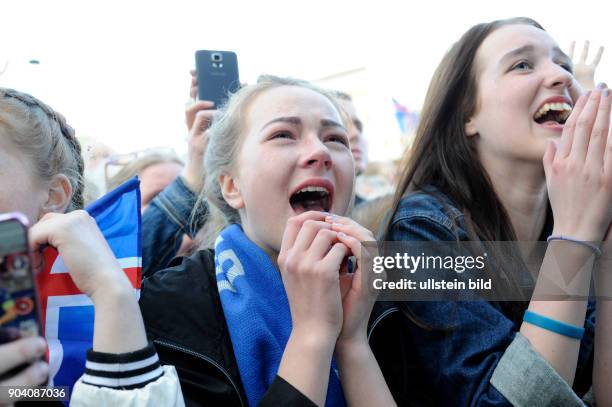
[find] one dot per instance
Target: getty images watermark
(492, 271)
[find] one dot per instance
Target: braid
(47, 138)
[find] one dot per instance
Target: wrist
(585, 236)
(116, 292)
(314, 338)
(352, 346)
(193, 178)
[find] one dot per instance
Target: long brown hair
(444, 157)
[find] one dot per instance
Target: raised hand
(358, 295)
(198, 117)
(579, 170)
(118, 326)
(309, 260)
(584, 72)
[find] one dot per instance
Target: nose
(557, 76)
(315, 154)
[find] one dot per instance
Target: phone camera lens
(216, 57)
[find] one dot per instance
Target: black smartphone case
(217, 73)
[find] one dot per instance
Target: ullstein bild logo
(471, 270)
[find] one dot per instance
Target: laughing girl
(498, 157)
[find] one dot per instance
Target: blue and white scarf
(257, 313)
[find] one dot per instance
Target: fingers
(294, 225)
(40, 233)
(584, 126)
(322, 243)
(599, 134)
(192, 111)
(570, 54)
(333, 259)
(597, 58)
(549, 157)
(585, 52)
(567, 138)
(202, 122)
(308, 235)
(34, 375)
(16, 353)
(350, 227)
(193, 90)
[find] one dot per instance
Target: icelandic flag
(67, 314)
(407, 120)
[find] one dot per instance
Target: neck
(521, 188)
(272, 254)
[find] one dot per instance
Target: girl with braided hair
(41, 175)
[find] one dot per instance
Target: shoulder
(183, 273)
(185, 291)
(427, 215)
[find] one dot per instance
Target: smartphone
(19, 309)
(217, 73)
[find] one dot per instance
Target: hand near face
(358, 295)
(584, 72)
(579, 170)
(309, 260)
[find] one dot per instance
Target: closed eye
(282, 135)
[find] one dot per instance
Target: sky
(119, 71)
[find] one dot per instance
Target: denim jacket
(483, 360)
(164, 222)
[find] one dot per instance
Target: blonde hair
(224, 143)
(43, 135)
(138, 165)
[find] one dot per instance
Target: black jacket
(184, 319)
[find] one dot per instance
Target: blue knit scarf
(257, 313)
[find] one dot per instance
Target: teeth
(312, 189)
(559, 107)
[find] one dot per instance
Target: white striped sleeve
(124, 370)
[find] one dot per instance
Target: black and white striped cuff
(122, 370)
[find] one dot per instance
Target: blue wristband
(553, 325)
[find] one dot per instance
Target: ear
(59, 195)
(231, 191)
(470, 128)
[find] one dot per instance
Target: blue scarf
(257, 313)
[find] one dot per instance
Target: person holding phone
(41, 172)
(167, 221)
(507, 149)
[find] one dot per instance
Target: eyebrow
(526, 49)
(530, 49)
(297, 121)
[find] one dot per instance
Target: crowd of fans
(514, 144)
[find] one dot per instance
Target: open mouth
(553, 113)
(311, 198)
